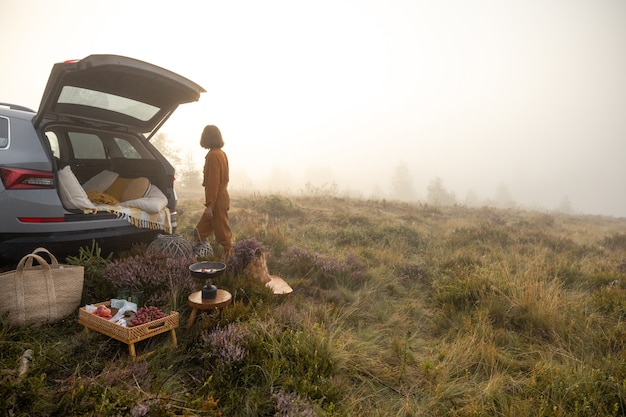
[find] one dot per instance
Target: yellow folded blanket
(97, 197)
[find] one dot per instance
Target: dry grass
(419, 310)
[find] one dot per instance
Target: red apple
(103, 311)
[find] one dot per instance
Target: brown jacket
(215, 181)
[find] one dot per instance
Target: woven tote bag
(42, 292)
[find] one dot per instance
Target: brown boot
(228, 252)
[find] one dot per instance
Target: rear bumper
(14, 247)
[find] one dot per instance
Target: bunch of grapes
(146, 315)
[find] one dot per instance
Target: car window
(127, 149)
(4, 133)
(86, 146)
(85, 97)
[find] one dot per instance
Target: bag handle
(53, 259)
(19, 284)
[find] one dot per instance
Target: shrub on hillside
(325, 271)
(95, 287)
(161, 278)
(254, 359)
(243, 253)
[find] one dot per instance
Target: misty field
(397, 310)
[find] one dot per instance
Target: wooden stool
(197, 303)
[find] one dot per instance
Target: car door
(114, 91)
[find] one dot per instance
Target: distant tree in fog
(471, 199)
(323, 190)
(402, 187)
(565, 206)
(503, 197)
(165, 146)
(279, 179)
(240, 181)
(188, 175)
(438, 195)
(377, 192)
(319, 175)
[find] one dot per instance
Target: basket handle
(196, 233)
(53, 259)
(19, 285)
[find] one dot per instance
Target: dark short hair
(211, 137)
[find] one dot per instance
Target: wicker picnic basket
(126, 334)
(40, 293)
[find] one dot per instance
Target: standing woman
(214, 219)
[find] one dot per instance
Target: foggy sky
(526, 94)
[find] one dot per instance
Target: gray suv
(96, 117)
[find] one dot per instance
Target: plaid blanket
(140, 218)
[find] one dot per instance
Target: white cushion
(101, 181)
(154, 202)
(72, 194)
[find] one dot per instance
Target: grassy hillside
(397, 310)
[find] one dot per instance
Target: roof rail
(16, 107)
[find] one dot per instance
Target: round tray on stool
(221, 300)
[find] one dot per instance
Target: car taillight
(26, 179)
